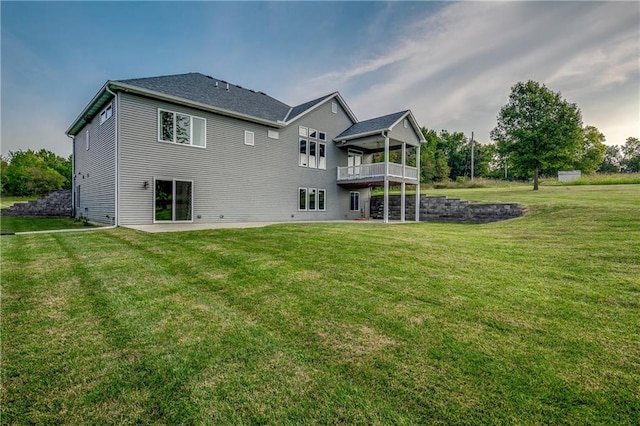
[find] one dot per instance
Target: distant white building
(569, 175)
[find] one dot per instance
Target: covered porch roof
(369, 135)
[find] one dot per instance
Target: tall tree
(611, 161)
(35, 173)
(631, 155)
(538, 129)
(591, 154)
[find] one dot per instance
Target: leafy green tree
(538, 130)
(3, 173)
(611, 160)
(592, 153)
(433, 160)
(35, 173)
(631, 155)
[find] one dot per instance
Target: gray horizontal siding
(240, 182)
(95, 170)
(399, 132)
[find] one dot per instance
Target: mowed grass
(530, 321)
(10, 224)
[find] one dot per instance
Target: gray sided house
(191, 148)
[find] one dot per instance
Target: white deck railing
(376, 170)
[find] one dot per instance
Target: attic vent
(227, 86)
(216, 84)
(239, 87)
(262, 93)
(209, 77)
(252, 91)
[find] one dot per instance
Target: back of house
(192, 148)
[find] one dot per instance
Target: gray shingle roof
(372, 125)
(297, 110)
(200, 88)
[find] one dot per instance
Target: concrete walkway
(183, 227)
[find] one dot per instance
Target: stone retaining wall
(443, 209)
(56, 204)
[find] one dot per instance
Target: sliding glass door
(173, 200)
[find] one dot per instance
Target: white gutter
(116, 156)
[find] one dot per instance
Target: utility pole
(471, 156)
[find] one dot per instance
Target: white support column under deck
(418, 184)
(386, 178)
(402, 185)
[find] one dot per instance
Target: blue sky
(451, 63)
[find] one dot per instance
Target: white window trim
(315, 201)
(319, 157)
(106, 113)
(306, 199)
(324, 203)
(306, 153)
(303, 131)
(249, 138)
(350, 198)
(191, 117)
(313, 132)
(322, 136)
(173, 197)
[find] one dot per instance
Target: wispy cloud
(454, 68)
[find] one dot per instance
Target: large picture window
(312, 154)
(184, 129)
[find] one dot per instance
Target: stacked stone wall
(443, 209)
(56, 204)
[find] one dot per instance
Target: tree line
(538, 133)
(28, 173)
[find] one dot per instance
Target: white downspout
(116, 155)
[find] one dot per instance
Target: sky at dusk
(451, 63)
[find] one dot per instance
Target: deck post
(402, 201)
(402, 185)
(386, 178)
(418, 184)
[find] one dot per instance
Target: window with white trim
(313, 133)
(303, 131)
(322, 193)
(334, 107)
(273, 134)
(87, 139)
(312, 199)
(302, 199)
(183, 129)
(312, 155)
(248, 138)
(322, 156)
(106, 113)
(322, 136)
(355, 201)
(303, 153)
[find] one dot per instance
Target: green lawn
(27, 224)
(8, 201)
(530, 321)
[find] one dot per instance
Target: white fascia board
(175, 99)
(362, 135)
(335, 95)
(82, 114)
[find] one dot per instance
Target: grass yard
(28, 224)
(530, 321)
(8, 201)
